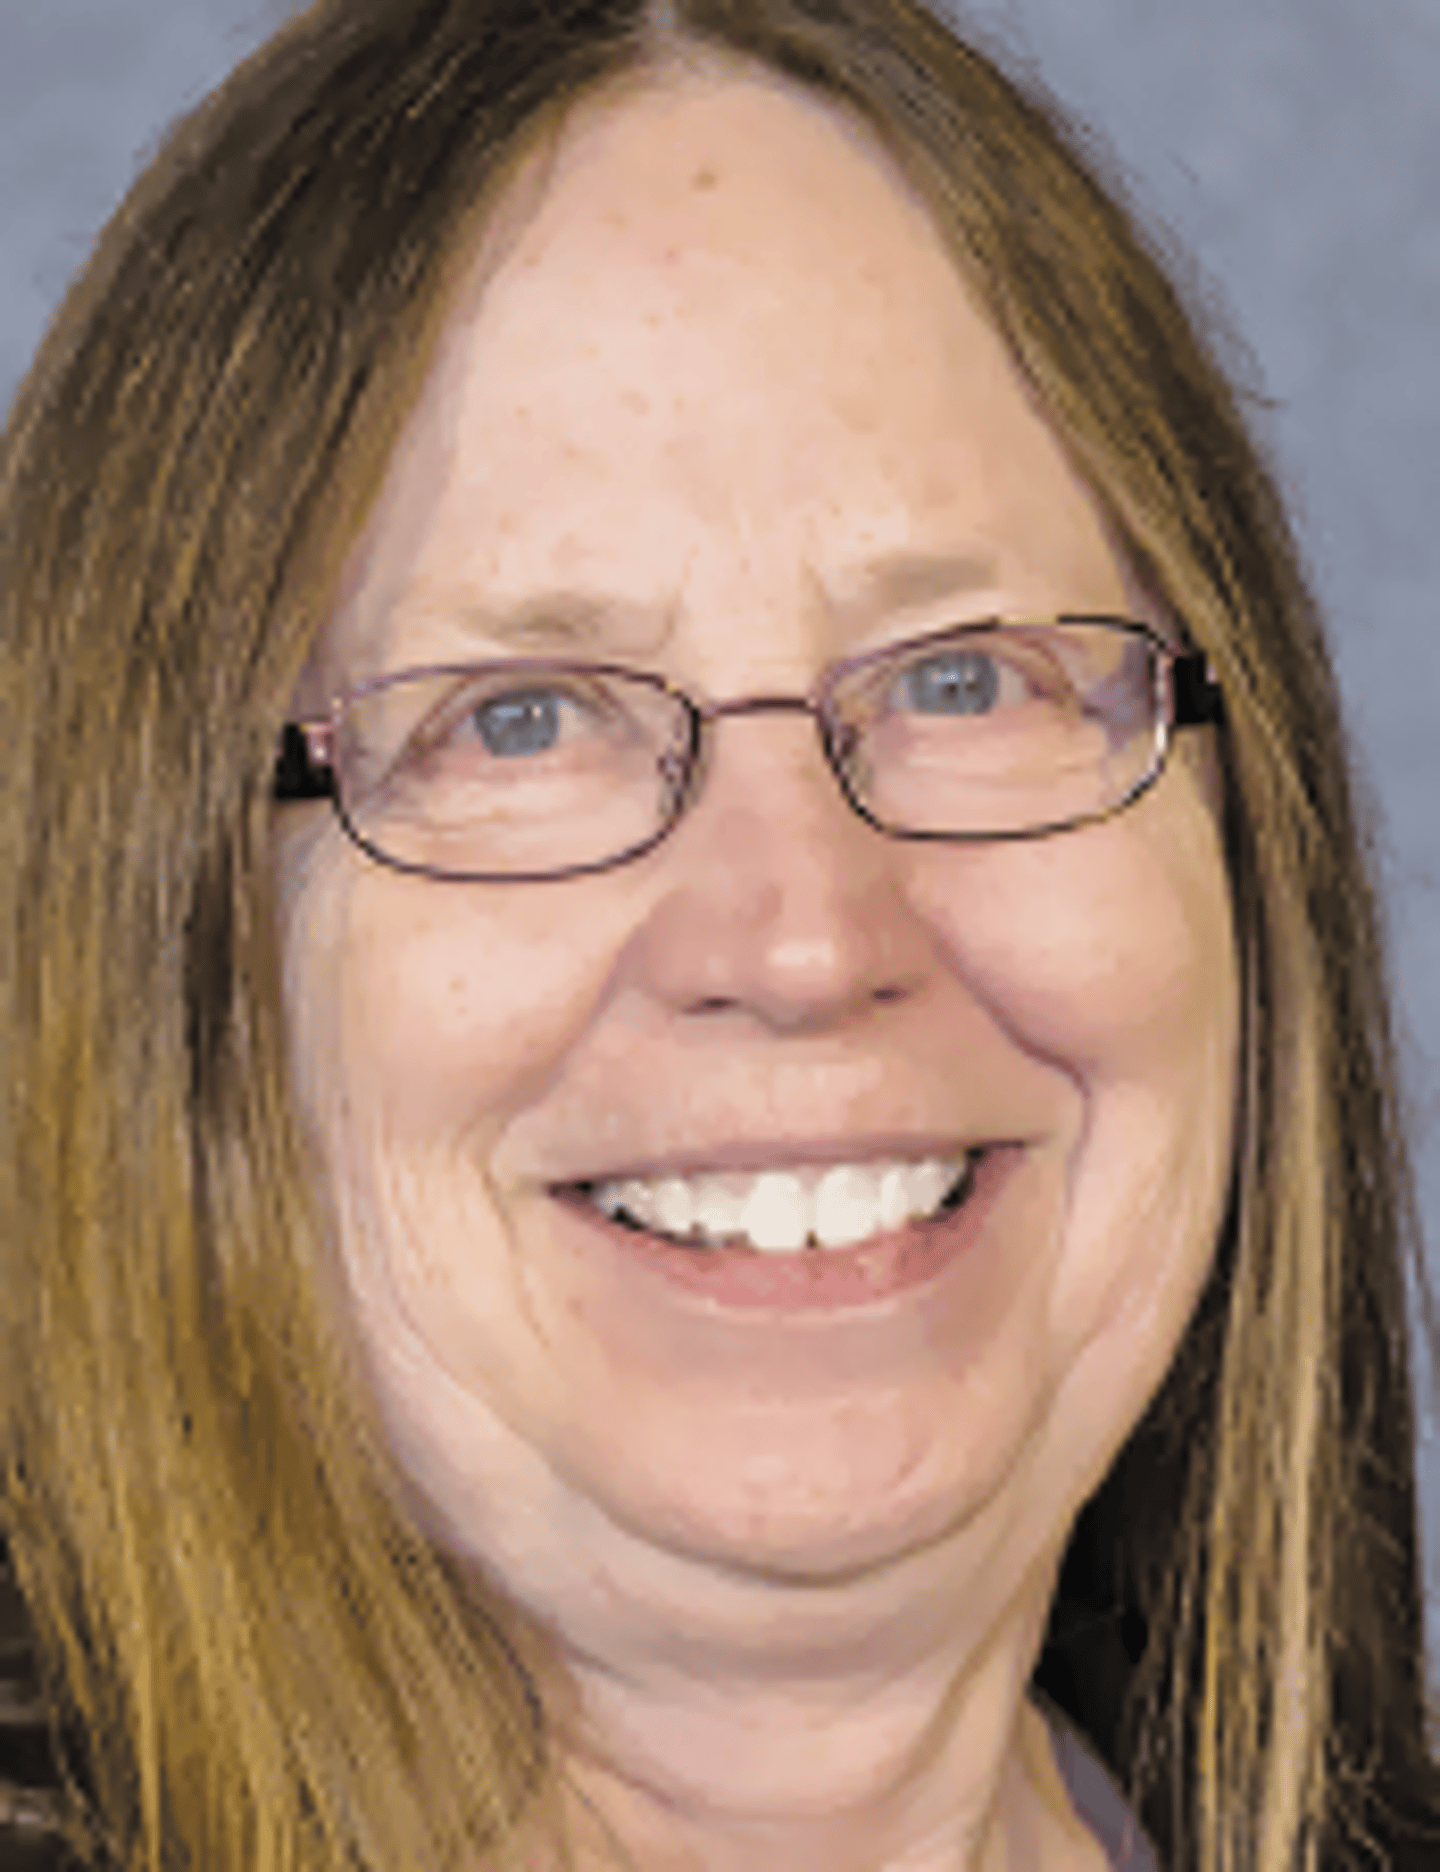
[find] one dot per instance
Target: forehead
(712, 354)
(720, 168)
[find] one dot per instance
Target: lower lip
(816, 1278)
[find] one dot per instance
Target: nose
(777, 901)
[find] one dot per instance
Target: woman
(593, 1278)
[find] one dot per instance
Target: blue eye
(524, 721)
(956, 682)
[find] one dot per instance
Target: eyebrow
(559, 618)
(570, 619)
(903, 577)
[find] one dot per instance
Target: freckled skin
(798, 1570)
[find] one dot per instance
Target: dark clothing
(1096, 1798)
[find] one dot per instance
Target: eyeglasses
(528, 769)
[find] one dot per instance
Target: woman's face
(723, 410)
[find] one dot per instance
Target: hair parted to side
(260, 1661)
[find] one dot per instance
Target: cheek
(1109, 958)
(439, 1021)
(423, 1029)
(1109, 952)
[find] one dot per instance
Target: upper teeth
(778, 1211)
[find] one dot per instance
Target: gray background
(1291, 146)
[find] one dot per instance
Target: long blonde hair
(258, 1661)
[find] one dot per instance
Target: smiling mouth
(786, 1211)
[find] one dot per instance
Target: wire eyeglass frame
(1187, 695)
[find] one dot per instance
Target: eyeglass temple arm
(1196, 696)
(301, 774)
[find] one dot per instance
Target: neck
(824, 1743)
